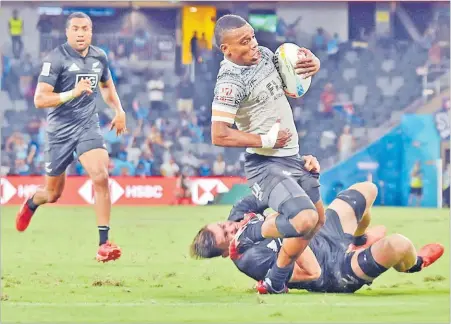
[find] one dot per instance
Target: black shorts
(416, 191)
(275, 180)
(58, 156)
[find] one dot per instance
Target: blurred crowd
(169, 108)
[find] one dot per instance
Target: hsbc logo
(205, 190)
(144, 191)
(93, 78)
(86, 191)
(7, 191)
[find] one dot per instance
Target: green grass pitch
(49, 273)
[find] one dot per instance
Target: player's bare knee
(399, 245)
(368, 190)
(100, 179)
(305, 221)
(297, 218)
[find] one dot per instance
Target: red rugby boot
(108, 252)
(430, 253)
(24, 215)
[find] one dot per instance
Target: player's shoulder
(97, 52)
(57, 54)
(266, 52)
(230, 73)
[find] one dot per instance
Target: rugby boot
(265, 287)
(108, 252)
(24, 215)
(430, 253)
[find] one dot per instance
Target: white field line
(214, 304)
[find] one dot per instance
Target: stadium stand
(169, 114)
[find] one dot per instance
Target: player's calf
(296, 222)
(50, 193)
(395, 251)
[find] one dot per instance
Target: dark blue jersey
(328, 245)
(248, 204)
(63, 68)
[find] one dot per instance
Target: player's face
(240, 46)
(79, 34)
(224, 233)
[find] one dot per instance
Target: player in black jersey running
(71, 77)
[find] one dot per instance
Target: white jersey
(253, 98)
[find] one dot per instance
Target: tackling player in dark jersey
(71, 77)
(341, 258)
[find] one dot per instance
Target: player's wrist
(267, 142)
(66, 96)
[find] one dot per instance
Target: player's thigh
(333, 226)
(283, 191)
(351, 204)
(346, 215)
(371, 262)
(92, 153)
(349, 278)
(57, 158)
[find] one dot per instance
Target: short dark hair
(77, 14)
(204, 245)
(226, 23)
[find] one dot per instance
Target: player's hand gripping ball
(295, 66)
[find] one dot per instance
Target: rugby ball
(285, 59)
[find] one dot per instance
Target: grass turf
(49, 273)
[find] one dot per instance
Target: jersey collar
(226, 60)
(73, 52)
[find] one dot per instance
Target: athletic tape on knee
(294, 206)
(368, 265)
(285, 228)
(288, 210)
(356, 200)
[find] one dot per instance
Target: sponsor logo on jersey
(93, 78)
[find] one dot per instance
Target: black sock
(417, 266)
(31, 204)
(103, 234)
(279, 276)
(359, 240)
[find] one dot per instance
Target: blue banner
(388, 162)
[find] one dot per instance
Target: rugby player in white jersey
(249, 93)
